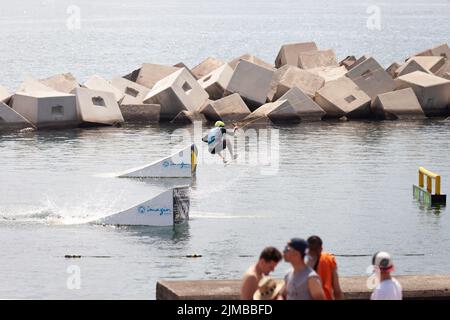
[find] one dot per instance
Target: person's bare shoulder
(250, 272)
(249, 284)
(250, 277)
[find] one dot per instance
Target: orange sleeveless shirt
(327, 264)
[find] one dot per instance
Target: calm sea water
(349, 182)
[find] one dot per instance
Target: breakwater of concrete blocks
(305, 83)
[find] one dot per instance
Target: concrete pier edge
(420, 287)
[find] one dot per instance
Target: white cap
(383, 260)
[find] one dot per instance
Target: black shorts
(218, 149)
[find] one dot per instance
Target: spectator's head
(269, 259)
(295, 250)
(314, 246)
(314, 250)
(383, 261)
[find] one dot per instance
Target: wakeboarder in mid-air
(218, 141)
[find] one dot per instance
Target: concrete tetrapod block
(421, 63)
(11, 119)
(296, 77)
(278, 73)
(371, 77)
(400, 104)
(132, 76)
(249, 58)
(288, 53)
(229, 108)
(5, 95)
(175, 93)
(203, 106)
(47, 109)
(358, 61)
(97, 107)
(445, 69)
(277, 112)
(442, 50)
(329, 73)
(98, 83)
(342, 97)
(348, 62)
(392, 69)
(305, 107)
(35, 87)
(317, 59)
(252, 82)
(283, 111)
(140, 112)
(206, 67)
(432, 92)
(133, 92)
(182, 65)
(409, 67)
(431, 63)
(188, 117)
(61, 82)
(217, 81)
(150, 74)
(259, 116)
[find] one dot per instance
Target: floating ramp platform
(182, 164)
(167, 209)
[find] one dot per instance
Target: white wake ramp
(182, 164)
(167, 209)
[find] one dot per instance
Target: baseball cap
(383, 260)
(299, 244)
